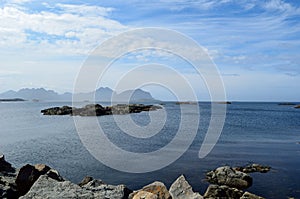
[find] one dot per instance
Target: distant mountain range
(101, 94)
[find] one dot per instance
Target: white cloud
(75, 29)
(280, 5)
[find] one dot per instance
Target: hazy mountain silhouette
(101, 94)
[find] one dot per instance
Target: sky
(255, 44)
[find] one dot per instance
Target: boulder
(298, 106)
(223, 191)
(46, 187)
(103, 190)
(86, 180)
(8, 188)
(156, 188)
(5, 166)
(144, 195)
(228, 176)
(181, 189)
(254, 168)
(28, 174)
(248, 195)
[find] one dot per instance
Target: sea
(254, 132)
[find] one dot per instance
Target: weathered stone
(49, 188)
(223, 191)
(298, 106)
(85, 180)
(8, 188)
(52, 173)
(253, 168)
(144, 195)
(103, 190)
(5, 166)
(230, 177)
(181, 189)
(28, 174)
(157, 188)
(248, 195)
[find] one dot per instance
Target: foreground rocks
(181, 189)
(230, 177)
(40, 181)
(5, 166)
(98, 110)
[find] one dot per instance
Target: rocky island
(98, 110)
(40, 181)
(12, 100)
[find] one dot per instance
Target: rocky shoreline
(40, 181)
(98, 110)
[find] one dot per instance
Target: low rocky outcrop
(98, 110)
(253, 168)
(222, 191)
(181, 189)
(287, 104)
(156, 188)
(298, 106)
(228, 176)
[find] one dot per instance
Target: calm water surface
(264, 133)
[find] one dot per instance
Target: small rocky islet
(40, 181)
(98, 110)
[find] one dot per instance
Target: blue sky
(255, 44)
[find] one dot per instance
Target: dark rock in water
(156, 188)
(227, 102)
(253, 168)
(181, 189)
(223, 191)
(248, 195)
(191, 103)
(98, 110)
(298, 106)
(230, 177)
(5, 166)
(286, 104)
(12, 100)
(65, 110)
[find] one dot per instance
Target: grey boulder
(181, 189)
(228, 176)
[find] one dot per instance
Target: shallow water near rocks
(263, 133)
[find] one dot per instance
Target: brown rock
(85, 180)
(157, 188)
(223, 191)
(144, 195)
(28, 174)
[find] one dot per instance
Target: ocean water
(263, 133)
